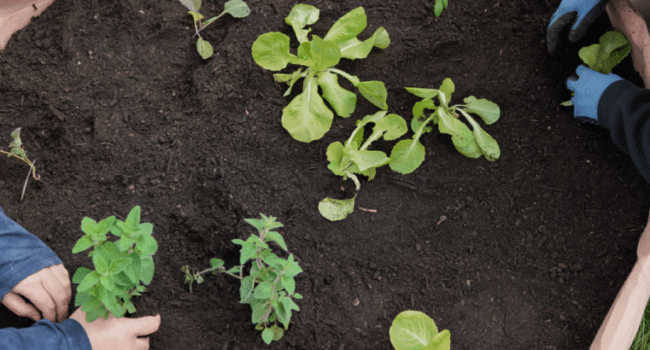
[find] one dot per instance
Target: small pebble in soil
(577, 267)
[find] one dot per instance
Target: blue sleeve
(624, 109)
(67, 335)
(21, 254)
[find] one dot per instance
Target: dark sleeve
(21, 254)
(624, 109)
(67, 335)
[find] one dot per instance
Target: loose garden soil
(119, 110)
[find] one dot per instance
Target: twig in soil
(367, 210)
(26, 181)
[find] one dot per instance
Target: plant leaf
(336, 209)
(300, 16)
(307, 118)
(406, 156)
(80, 274)
(365, 159)
(319, 54)
(342, 101)
(461, 136)
(289, 284)
(82, 244)
(486, 143)
(271, 51)
(447, 88)
(393, 125)
(441, 341)
(356, 49)
(375, 92)
(422, 92)
(487, 110)
(90, 280)
(204, 48)
(146, 270)
(192, 5)
(237, 8)
(267, 335)
(412, 330)
(246, 289)
(277, 238)
(348, 26)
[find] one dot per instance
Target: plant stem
(354, 80)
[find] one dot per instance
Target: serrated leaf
(375, 92)
(487, 110)
(88, 225)
(306, 117)
(82, 244)
(263, 291)
(216, 263)
(237, 8)
(348, 26)
(271, 51)
(90, 280)
(277, 238)
(147, 245)
(80, 274)
(336, 209)
(301, 16)
(289, 284)
(246, 289)
(342, 101)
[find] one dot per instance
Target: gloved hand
(588, 88)
(584, 12)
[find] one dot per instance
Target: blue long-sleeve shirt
(624, 109)
(21, 255)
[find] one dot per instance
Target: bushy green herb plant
(17, 151)
(408, 155)
(122, 268)
(307, 118)
(270, 287)
(236, 8)
(414, 330)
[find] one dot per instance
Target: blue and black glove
(588, 88)
(582, 13)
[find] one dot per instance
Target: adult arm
(624, 109)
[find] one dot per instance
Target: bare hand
(16, 14)
(118, 333)
(49, 292)
(643, 249)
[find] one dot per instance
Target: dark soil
(119, 110)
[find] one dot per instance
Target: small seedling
(611, 49)
(121, 267)
(407, 155)
(236, 8)
(17, 151)
(414, 330)
(270, 286)
(307, 118)
(439, 6)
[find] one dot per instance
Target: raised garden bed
(119, 110)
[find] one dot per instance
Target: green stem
(26, 161)
(354, 80)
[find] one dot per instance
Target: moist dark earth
(119, 110)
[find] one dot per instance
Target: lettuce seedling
(414, 330)
(236, 8)
(270, 286)
(439, 6)
(407, 155)
(17, 151)
(307, 118)
(121, 267)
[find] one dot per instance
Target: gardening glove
(582, 13)
(588, 87)
(49, 292)
(118, 333)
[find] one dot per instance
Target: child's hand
(49, 292)
(118, 333)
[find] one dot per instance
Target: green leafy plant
(17, 151)
(439, 6)
(236, 8)
(306, 117)
(409, 154)
(414, 330)
(270, 287)
(121, 267)
(611, 49)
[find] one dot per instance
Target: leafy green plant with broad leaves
(270, 287)
(306, 117)
(414, 330)
(236, 8)
(611, 49)
(353, 158)
(122, 267)
(17, 151)
(409, 154)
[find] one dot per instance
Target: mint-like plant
(307, 118)
(408, 155)
(414, 330)
(236, 8)
(122, 268)
(17, 151)
(270, 287)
